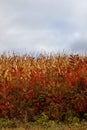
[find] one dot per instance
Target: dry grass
(76, 126)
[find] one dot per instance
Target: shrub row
(53, 85)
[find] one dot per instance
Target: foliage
(6, 123)
(53, 85)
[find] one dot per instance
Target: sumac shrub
(53, 85)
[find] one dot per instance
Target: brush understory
(46, 92)
(50, 125)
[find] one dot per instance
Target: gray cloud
(79, 43)
(43, 24)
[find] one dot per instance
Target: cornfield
(55, 85)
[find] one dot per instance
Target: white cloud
(79, 42)
(43, 24)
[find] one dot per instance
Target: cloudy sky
(43, 25)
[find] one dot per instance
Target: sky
(43, 25)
